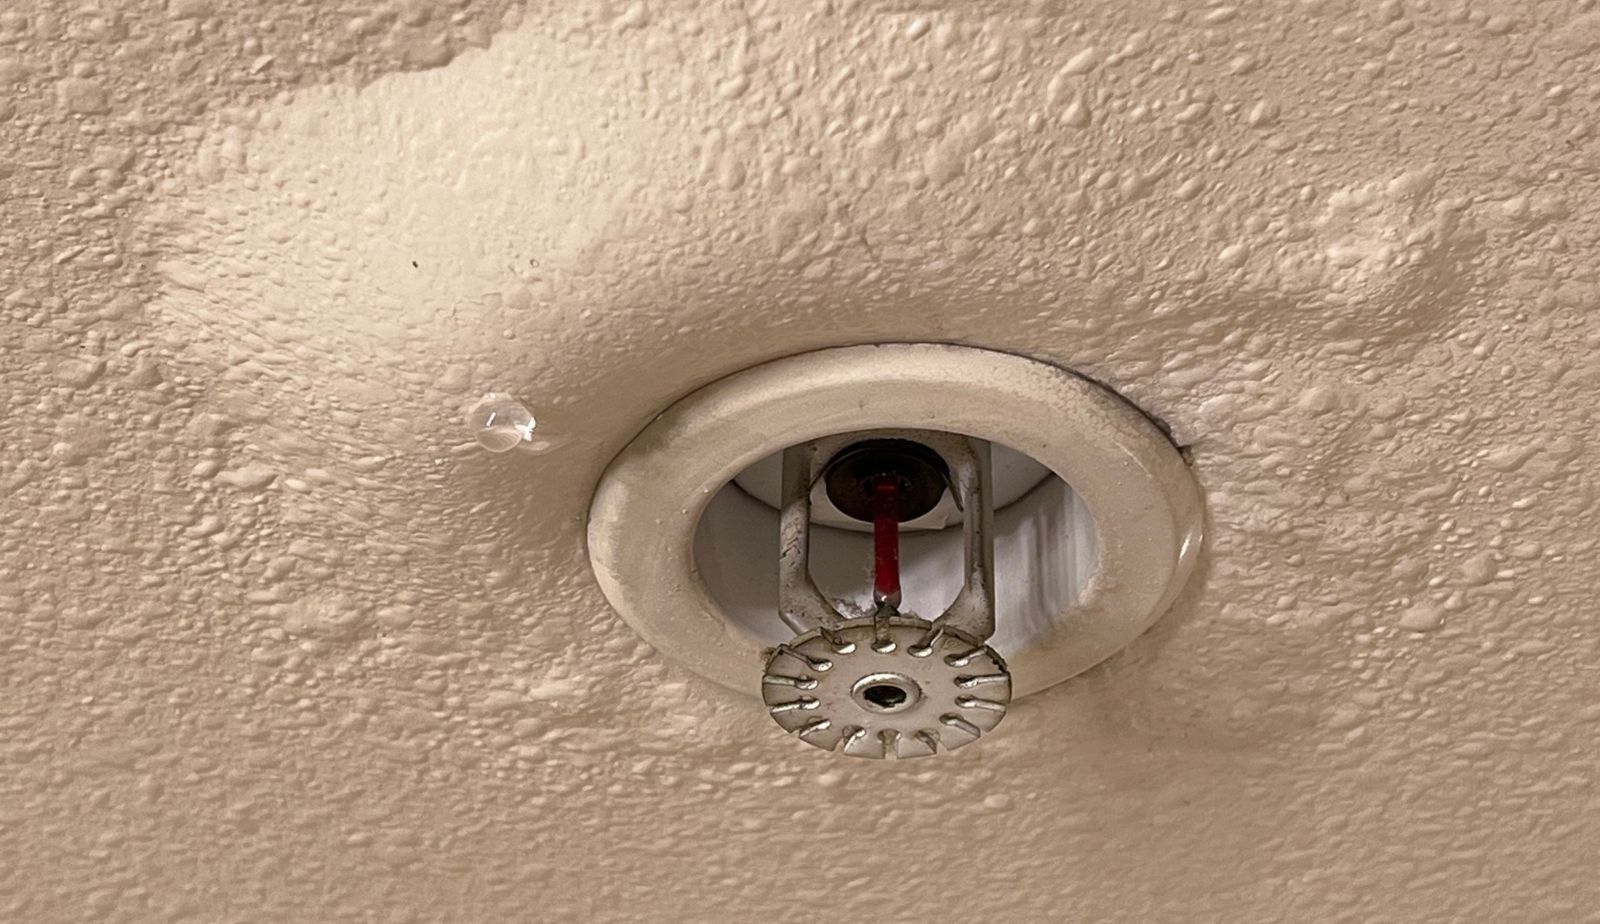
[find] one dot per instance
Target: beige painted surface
(278, 644)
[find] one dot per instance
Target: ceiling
(278, 642)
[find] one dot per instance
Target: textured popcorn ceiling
(278, 643)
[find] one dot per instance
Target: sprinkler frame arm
(802, 605)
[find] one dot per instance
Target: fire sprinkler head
(753, 580)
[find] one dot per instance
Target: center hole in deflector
(884, 695)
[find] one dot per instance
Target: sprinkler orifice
(887, 684)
